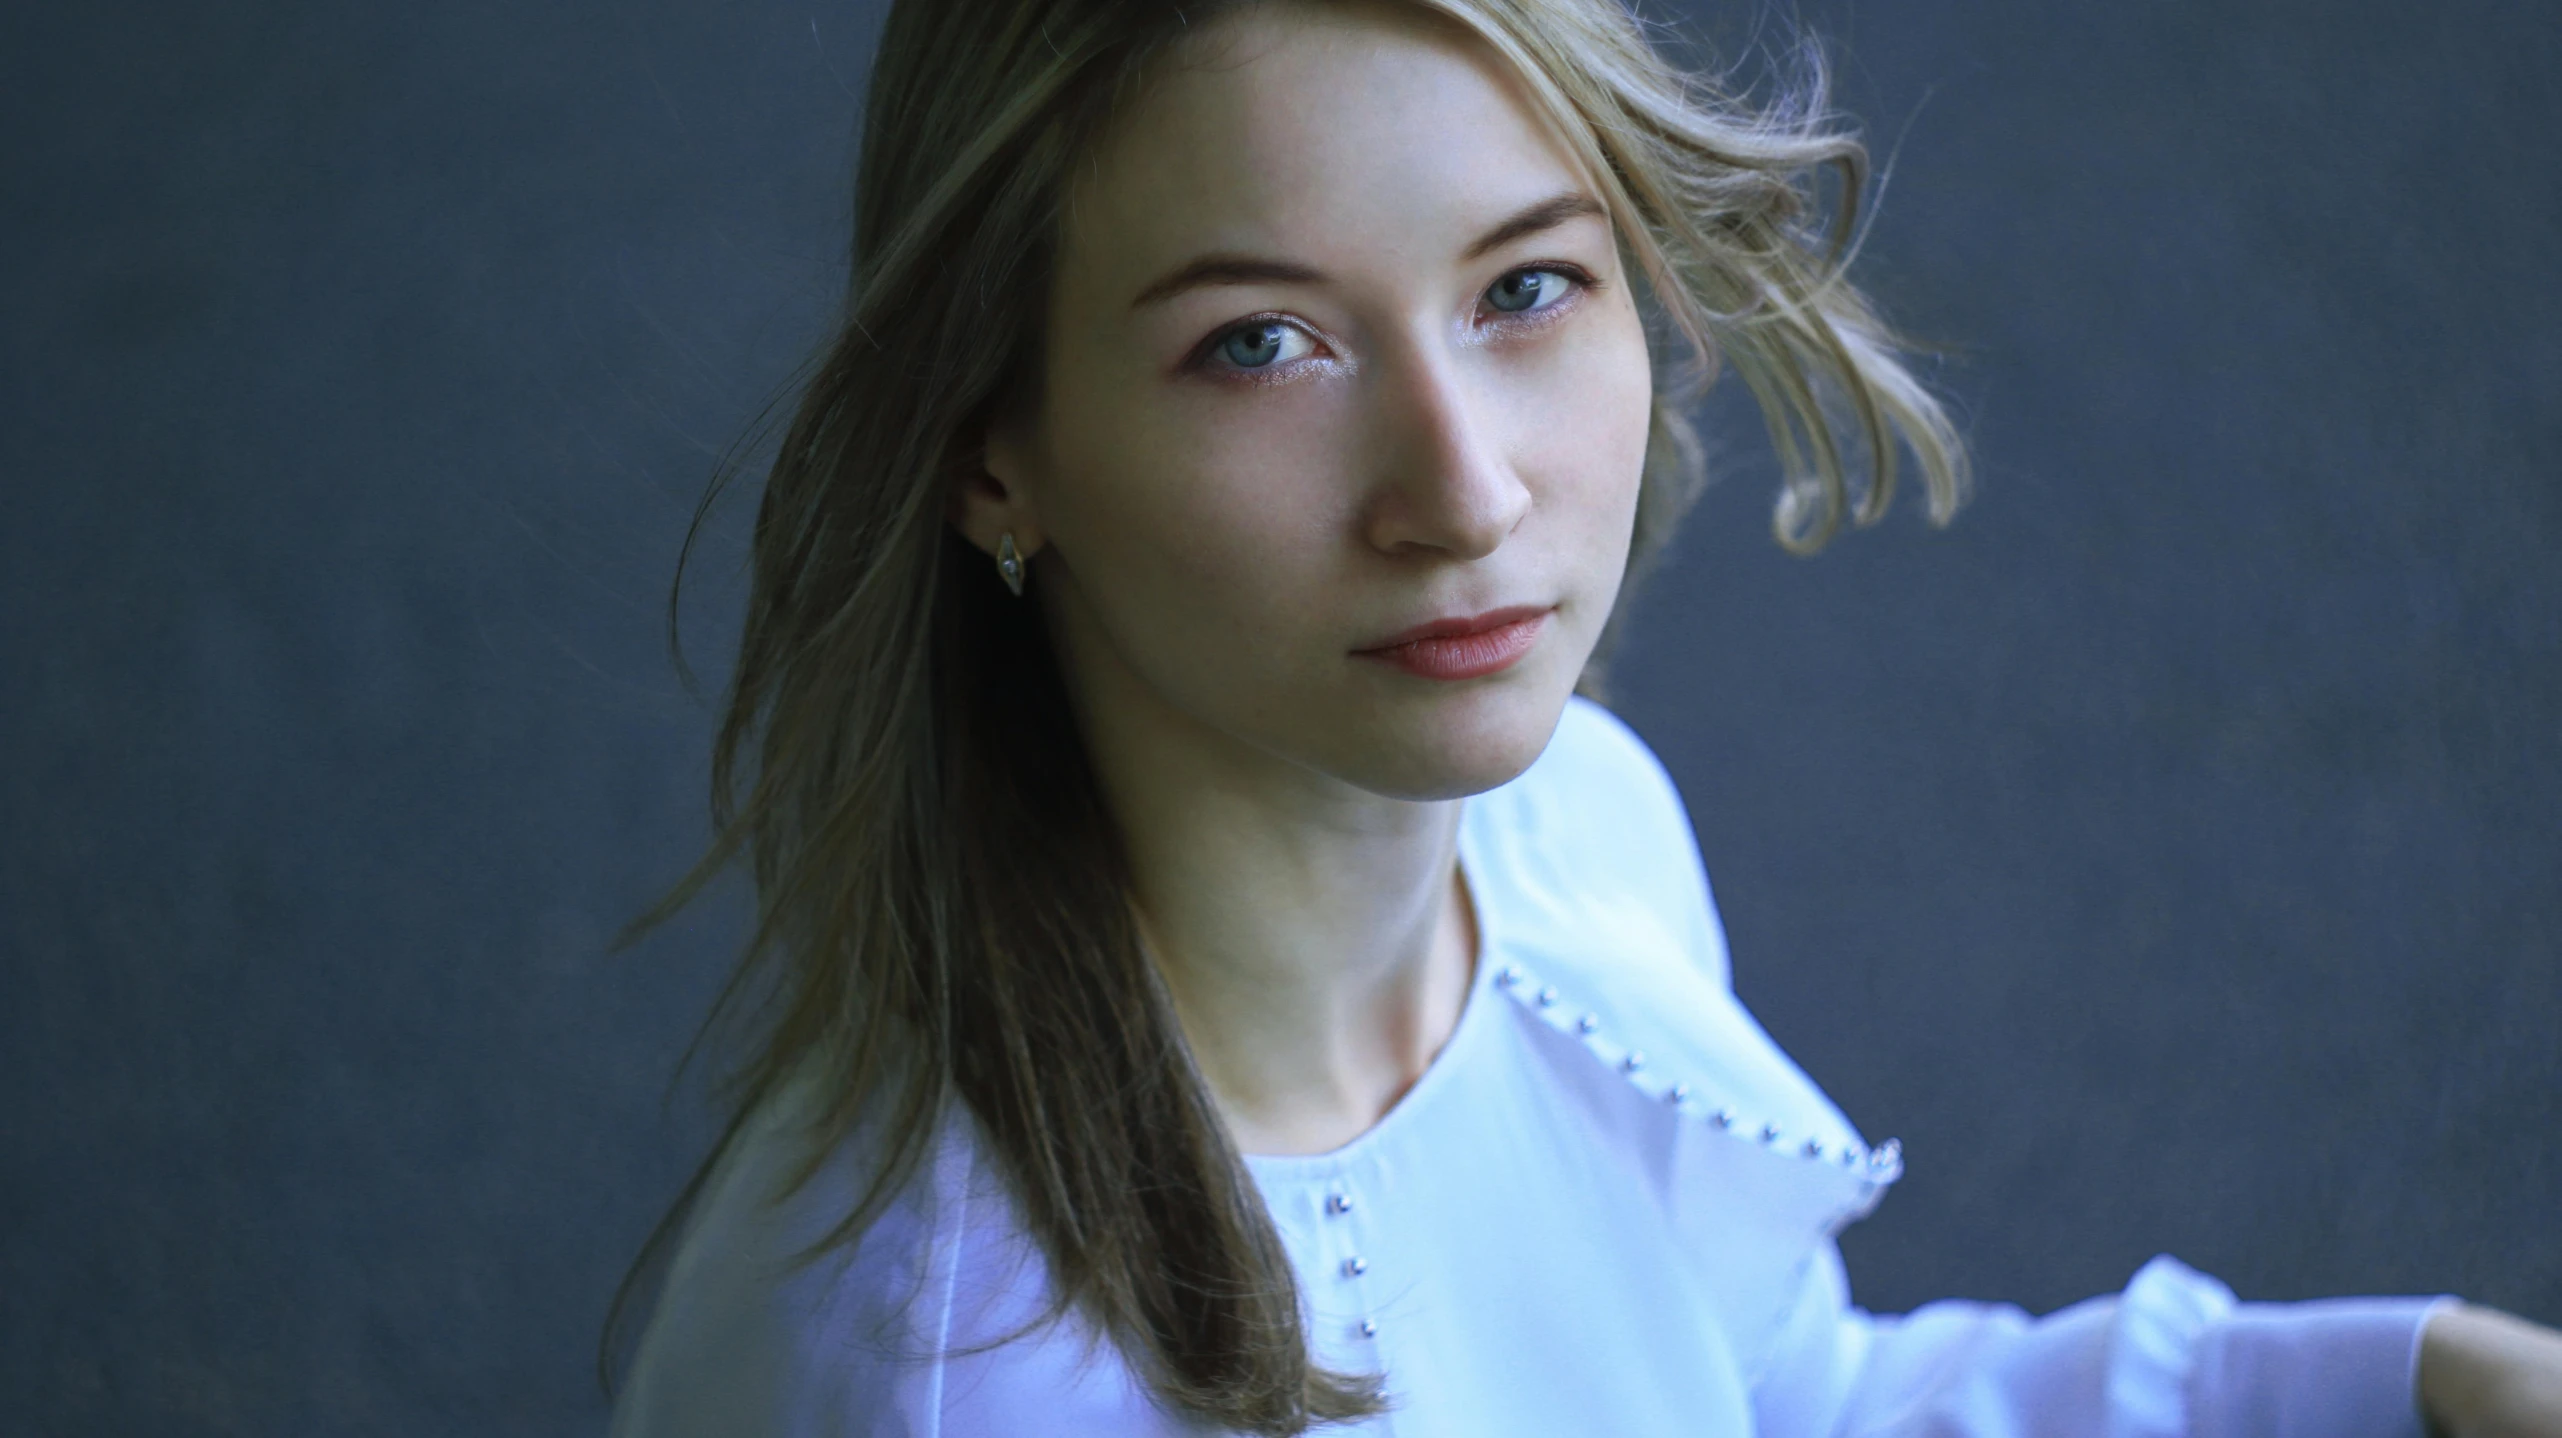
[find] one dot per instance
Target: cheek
(1200, 526)
(1587, 407)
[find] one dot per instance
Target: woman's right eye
(1261, 344)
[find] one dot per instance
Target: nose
(1444, 482)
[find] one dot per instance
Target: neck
(1315, 937)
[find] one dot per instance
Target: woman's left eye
(1526, 290)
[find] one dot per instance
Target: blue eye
(1255, 346)
(1525, 290)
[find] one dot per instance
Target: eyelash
(1584, 282)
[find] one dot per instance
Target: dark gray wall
(2166, 852)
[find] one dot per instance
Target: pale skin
(1213, 541)
(1341, 342)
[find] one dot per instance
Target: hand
(2484, 1374)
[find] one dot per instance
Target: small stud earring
(1009, 563)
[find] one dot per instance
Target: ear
(995, 498)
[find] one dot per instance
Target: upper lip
(1452, 628)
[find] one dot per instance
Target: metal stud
(1338, 1203)
(1849, 1155)
(1547, 997)
(1355, 1267)
(1587, 1023)
(1677, 1093)
(1814, 1148)
(1009, 564)
(1770, 1133)
(1369, 1329)
(1633, 1062)
(1510, 975)
(1723, 1118)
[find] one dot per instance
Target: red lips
(1464, 648)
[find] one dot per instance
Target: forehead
(1316, 131)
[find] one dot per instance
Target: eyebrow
(1237, 269)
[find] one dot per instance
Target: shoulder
(761, 1324)
(929, 1322)
(1599, 920)
(1596, 828)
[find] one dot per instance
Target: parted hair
(943, 918)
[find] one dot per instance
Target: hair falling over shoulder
(942, 912)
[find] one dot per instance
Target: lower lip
(1464, 656)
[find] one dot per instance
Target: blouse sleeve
(2173, 1356)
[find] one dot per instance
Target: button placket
(1338, 1206)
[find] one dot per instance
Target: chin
(1464, 740)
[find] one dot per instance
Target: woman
(1213, 974)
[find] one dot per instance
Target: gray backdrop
(2166, 852)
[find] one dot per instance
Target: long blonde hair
(942, 898)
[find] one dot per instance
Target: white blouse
(1609, 1206)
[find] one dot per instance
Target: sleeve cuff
(2333, 1368)
(2190, 1362)
(2163, 1320)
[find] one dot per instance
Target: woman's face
(1340, 351)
